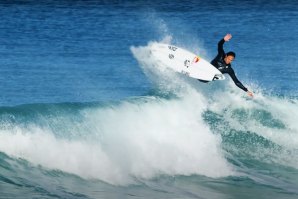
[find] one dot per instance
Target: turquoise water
(85, 113)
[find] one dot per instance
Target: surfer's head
(230, 56)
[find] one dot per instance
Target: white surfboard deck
(184, 62)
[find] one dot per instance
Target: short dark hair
(231, 54)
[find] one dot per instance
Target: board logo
(171, 56)
(173, 48)
(196, 59)
(186, 63)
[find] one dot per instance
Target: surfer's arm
(221, 43)
(220, 46)
(236, 81)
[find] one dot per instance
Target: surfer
(223, 61)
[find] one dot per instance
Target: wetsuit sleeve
(220, 55)
(220, 46)
(236, 81)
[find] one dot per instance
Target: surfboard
(185, 62)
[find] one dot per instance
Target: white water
(134, 140)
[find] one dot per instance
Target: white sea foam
(270, 117)
(132, 141)
(138, 139)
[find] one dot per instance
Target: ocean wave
(184, 127)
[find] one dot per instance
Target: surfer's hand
(227, 37)
(250, 94)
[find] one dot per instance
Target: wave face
(138, 139)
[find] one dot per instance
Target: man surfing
(223, 61)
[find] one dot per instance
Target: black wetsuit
(221, 65)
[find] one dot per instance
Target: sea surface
(85, 113)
